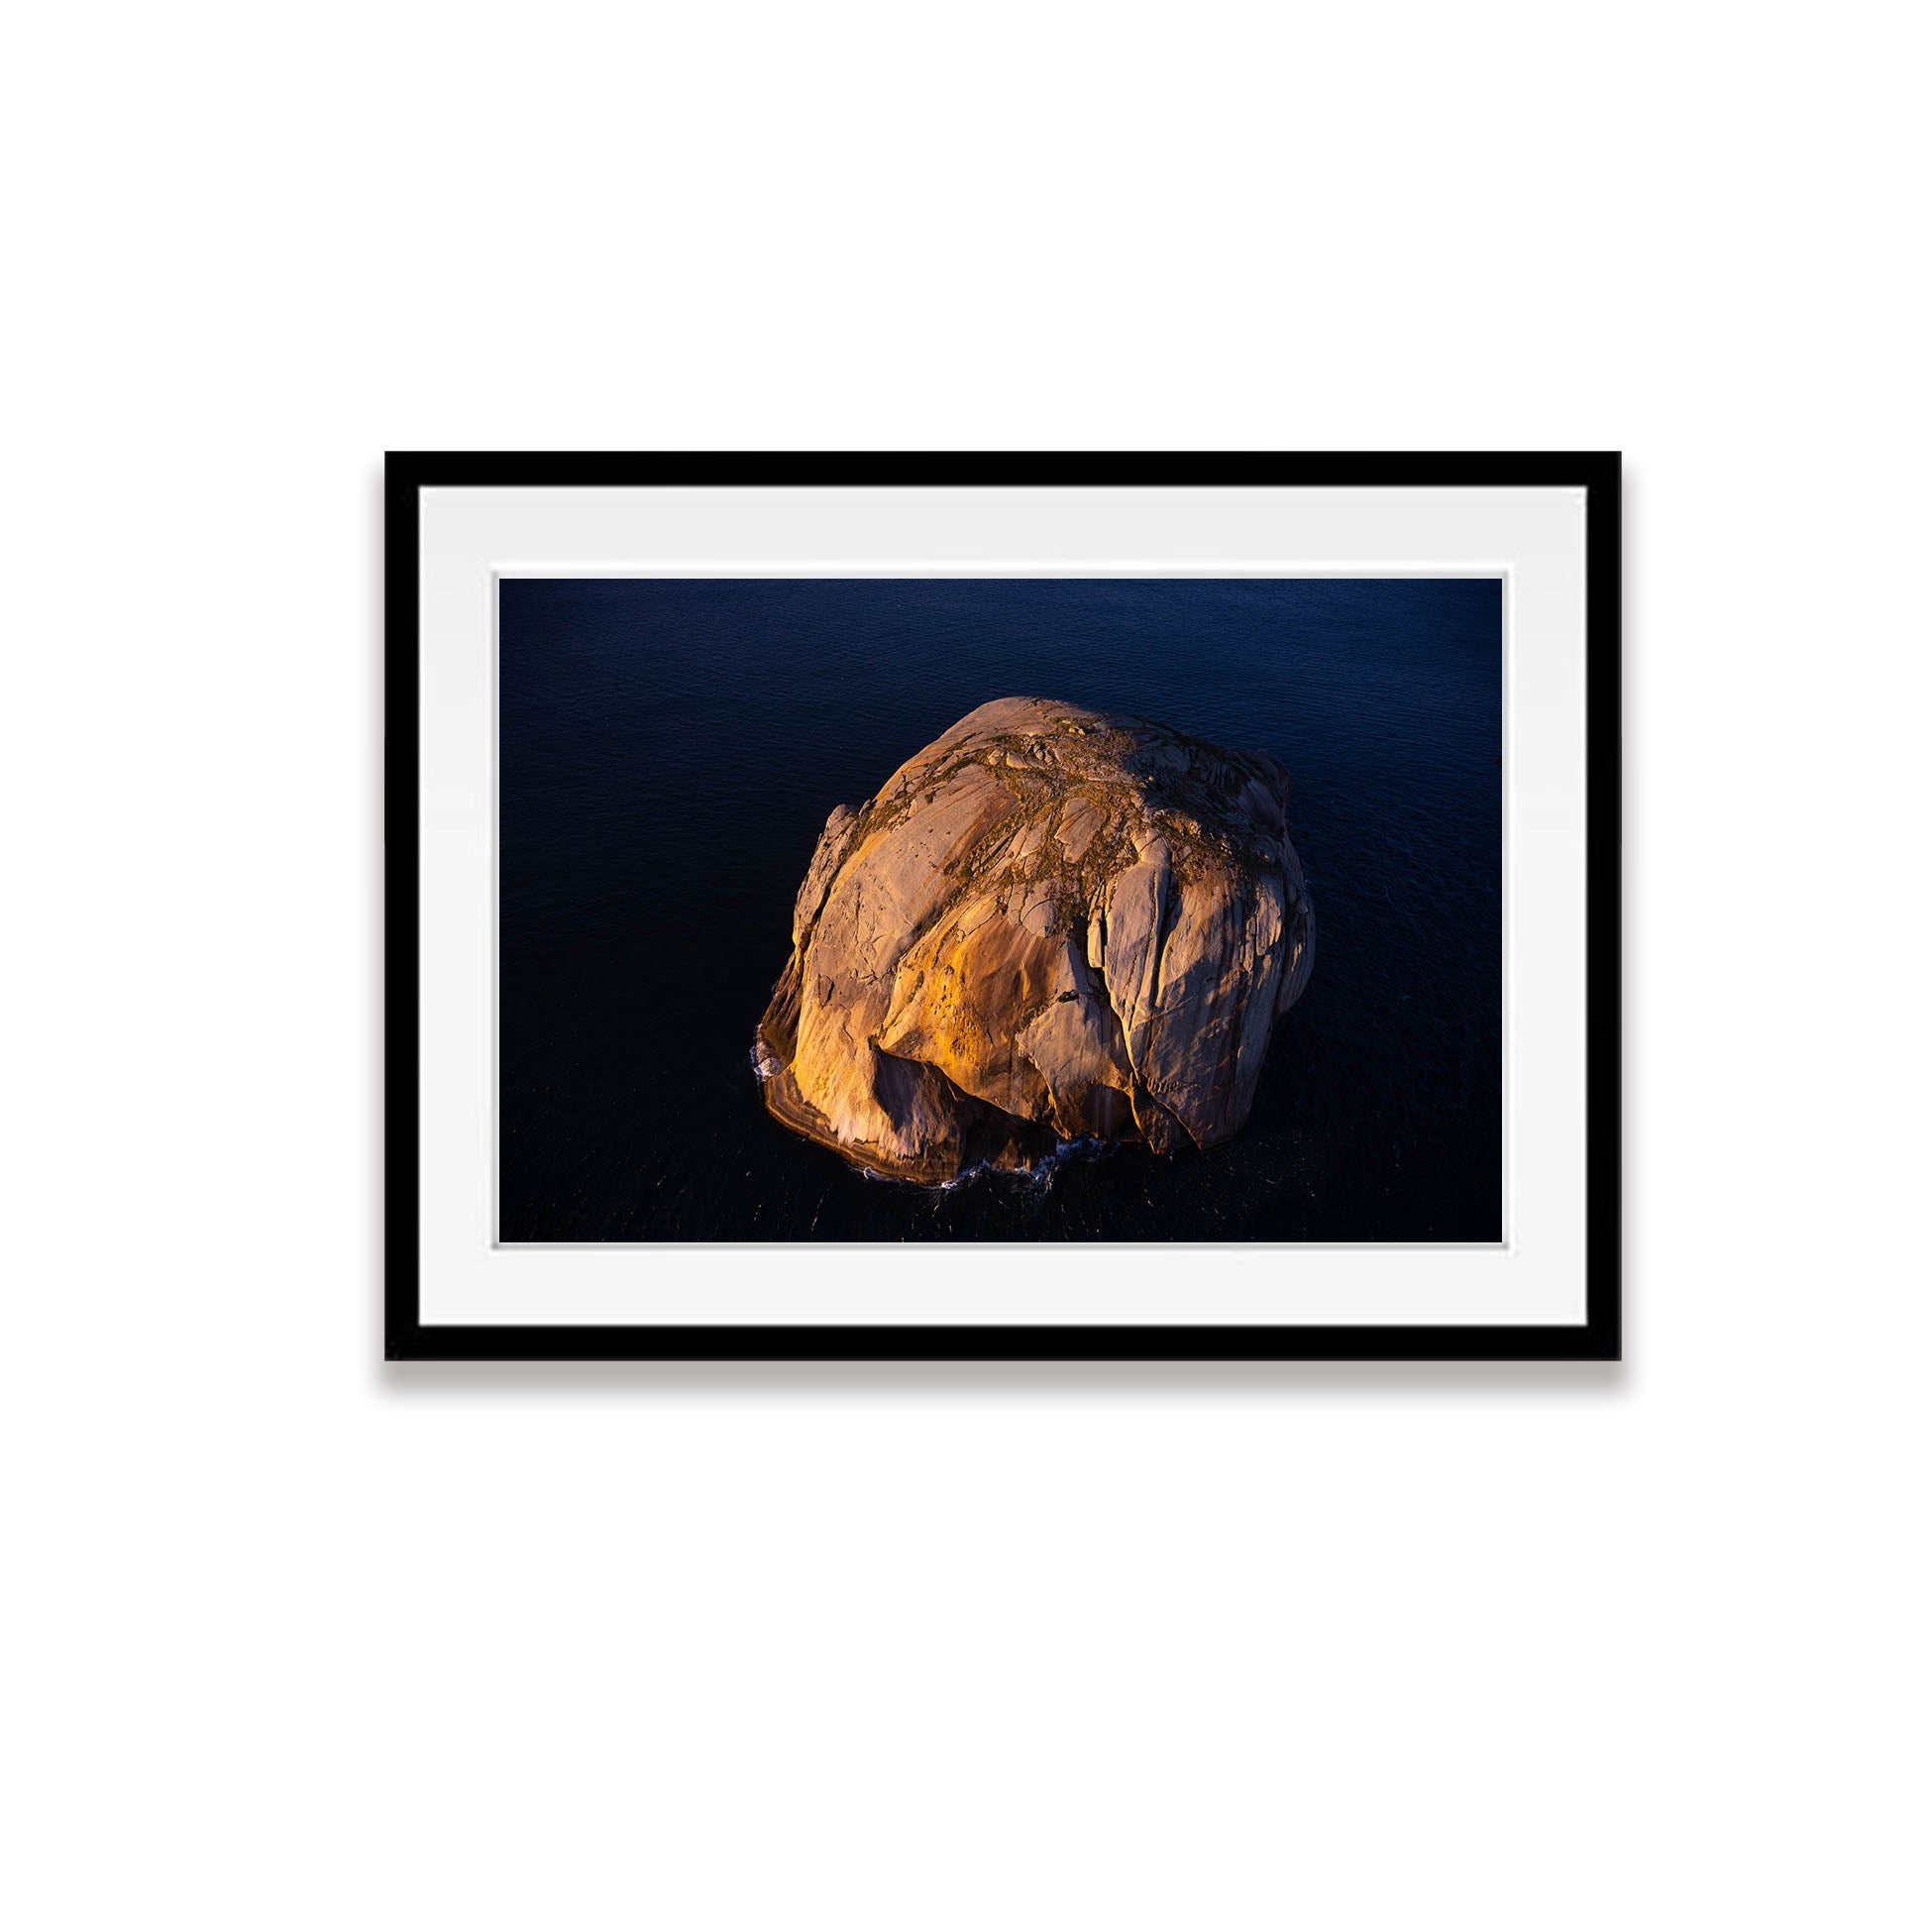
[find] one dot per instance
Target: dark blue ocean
(670, 751)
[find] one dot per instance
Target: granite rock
(1051, 923)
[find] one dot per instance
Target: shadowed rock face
(1049, 924)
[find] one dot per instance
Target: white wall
(293, 1641)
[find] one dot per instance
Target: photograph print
(1142, 908)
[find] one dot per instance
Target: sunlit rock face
(1050, 925)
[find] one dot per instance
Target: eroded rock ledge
(1050, 923)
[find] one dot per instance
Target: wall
(293, 1641)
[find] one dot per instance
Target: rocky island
(1050, 925)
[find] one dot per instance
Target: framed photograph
(1003, 906)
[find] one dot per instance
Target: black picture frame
(1597, 1338)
